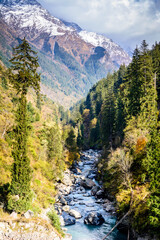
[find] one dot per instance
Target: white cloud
(123, 20)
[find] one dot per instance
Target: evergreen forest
(39, 139)
(120, 116)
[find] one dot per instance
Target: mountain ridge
(82, 58)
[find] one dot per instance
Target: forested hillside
(121, 116)
(49, 146)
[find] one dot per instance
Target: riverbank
(81, 202)
(33, 228)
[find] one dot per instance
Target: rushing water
(84, 202)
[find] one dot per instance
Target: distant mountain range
(71, 59)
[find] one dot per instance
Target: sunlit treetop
(23, 72)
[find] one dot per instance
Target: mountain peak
(10, 3)
(73, 25)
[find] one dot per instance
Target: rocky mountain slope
(71, 60)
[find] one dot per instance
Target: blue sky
(127, 22)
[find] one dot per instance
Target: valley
(79, 128)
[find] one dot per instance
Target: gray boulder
(67, 178)
(100, 193)
(68, 220)
(94, 190)
(75, 213)
(94, 218)
(87, 183)
(61, 199)
(66, 208)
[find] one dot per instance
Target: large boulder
(94, 218)
(75, 213)
(60, 198)
(63, 189)
(67, 178)
(87, 183)
(109, 207)
(68, 220)
(100, 193)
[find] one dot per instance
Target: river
(83, 201)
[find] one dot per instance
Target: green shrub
(55, 221)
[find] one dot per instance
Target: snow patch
(34, 16)
(99, 40)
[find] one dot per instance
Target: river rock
(94, 218)
(61, 199)
(75, 213)
(63, 189)
(77, 171)
(108, 207)
(94, 190)
(66, 208)
(87, 183)
(67, 178)
(68, 220)
(100, 194)
(58, 209)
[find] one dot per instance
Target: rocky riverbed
(81, 202)
(84, 209)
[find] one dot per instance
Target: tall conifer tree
(148, 100)
(22, 75)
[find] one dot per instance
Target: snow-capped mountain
(11, 3)
(114, 50)
(79, 58)
(27, 14)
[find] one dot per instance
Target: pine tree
(22, 75)
(54, 145)
(132, 90)
(155, 53)
(4, 83)
(140, 88)
(153, 168)
(108, 113)
(148, 100)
